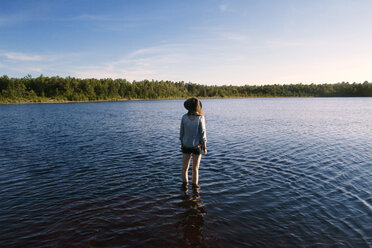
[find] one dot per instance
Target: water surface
(280, 172)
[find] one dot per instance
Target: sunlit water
(279, 173)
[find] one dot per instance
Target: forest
(44, 89)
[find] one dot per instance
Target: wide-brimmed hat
(193, 104)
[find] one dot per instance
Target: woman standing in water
(193, 138)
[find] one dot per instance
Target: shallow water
(280, 172)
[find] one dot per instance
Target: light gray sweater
(193, 131)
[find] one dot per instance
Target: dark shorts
(194, 150)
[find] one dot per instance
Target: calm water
(279, 173)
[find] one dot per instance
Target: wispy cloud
(89, 17)
(9, 20)
(22, 56)
(200, 63)
(278, 44)
(223, 7)
(231, 36)
(157, 62)
(32, 57)
(158, 50)
(109, 18)
(21, 69)
(20, 64)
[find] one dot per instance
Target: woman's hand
(204, 147)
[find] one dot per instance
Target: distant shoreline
(53, 101)
(75, 90)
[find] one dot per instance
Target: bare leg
(185, 167)
(195, 168)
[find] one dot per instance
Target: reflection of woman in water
(193, 139)
(191, 220)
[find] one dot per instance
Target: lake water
(280, 172)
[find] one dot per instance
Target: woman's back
(192, 130)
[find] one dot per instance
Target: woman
(193, 139)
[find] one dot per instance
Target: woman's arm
(203, 135)
(182, 132)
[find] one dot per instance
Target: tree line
(42, 88)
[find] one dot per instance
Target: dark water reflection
(192, 219)
(279, 173)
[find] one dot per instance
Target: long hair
(194, 106)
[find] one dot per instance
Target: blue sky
(202, 41)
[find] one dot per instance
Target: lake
(280, 172)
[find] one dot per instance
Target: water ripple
(279, 173)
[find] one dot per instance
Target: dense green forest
(42, 89)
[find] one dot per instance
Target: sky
(210, 42)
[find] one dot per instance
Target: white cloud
(230, 36)
(158, 62)
(158, 50)
(21, 70)
(42, 57)
(223, 7)
(18, 64)
(87, 17)
(224, 62)
(11, 19)
(22, 56)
